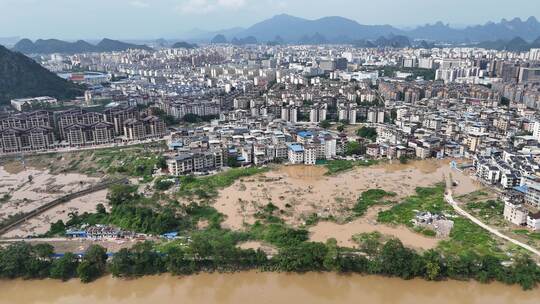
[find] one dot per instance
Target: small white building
(515, 213)
(533, 221)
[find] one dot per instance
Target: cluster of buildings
(249, 142)
(100, 232)
(44, 130)
(268, 104)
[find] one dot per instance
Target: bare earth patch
(255, 245)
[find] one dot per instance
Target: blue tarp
(522, 189)
(170, 235)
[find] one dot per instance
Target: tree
(93, 264)
(43, 251)
(341, 128)
(399, 261)
(65, 267)
(162, 163)
(121, 194)
(302, 257)
(370, 243)
(140, 260)
(232, 162)
(433, 265)
(403, 159)
(331, 259)
(100, 209)
(14, 260)
(121, 263)
(57, 228)
(368, 133)
(325, 124)
(525, 272)
(354, 148)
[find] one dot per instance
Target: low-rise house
(515, 213)
(533, 221)
(198, 162)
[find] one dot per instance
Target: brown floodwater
(261, 288)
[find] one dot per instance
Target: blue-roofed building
(296, 153)
(170, 235)
(175, 145)
(304, 136)
(76, 233)
(522, 189)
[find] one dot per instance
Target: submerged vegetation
(207, 187)
(425, 199)
(469, 253)
(465, 238)
(371, 198)
(338, 166)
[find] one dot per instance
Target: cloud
(138, 3)
(206, 6)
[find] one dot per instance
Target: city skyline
(144, 19)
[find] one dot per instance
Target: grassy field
(465, 237)
(134, 161)
(338, 166)
(525, 232)
(207, 187)
(426, 199)
(489, 209)
(371, 197)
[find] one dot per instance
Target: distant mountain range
(283, 29)
(22, 77)
(184, 45)
(515, 45)
(292, 29)
(50, 46)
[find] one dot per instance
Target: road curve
(450, 199)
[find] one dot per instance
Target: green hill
(22, 77)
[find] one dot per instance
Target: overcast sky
(130, 19)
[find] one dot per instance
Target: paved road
(450, 199)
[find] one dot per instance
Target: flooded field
(344, 233)
(41, 224)
(303, 190)
(25, 189)
(264, 288)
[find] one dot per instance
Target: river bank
(267, 288)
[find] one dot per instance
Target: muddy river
(261, 288)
